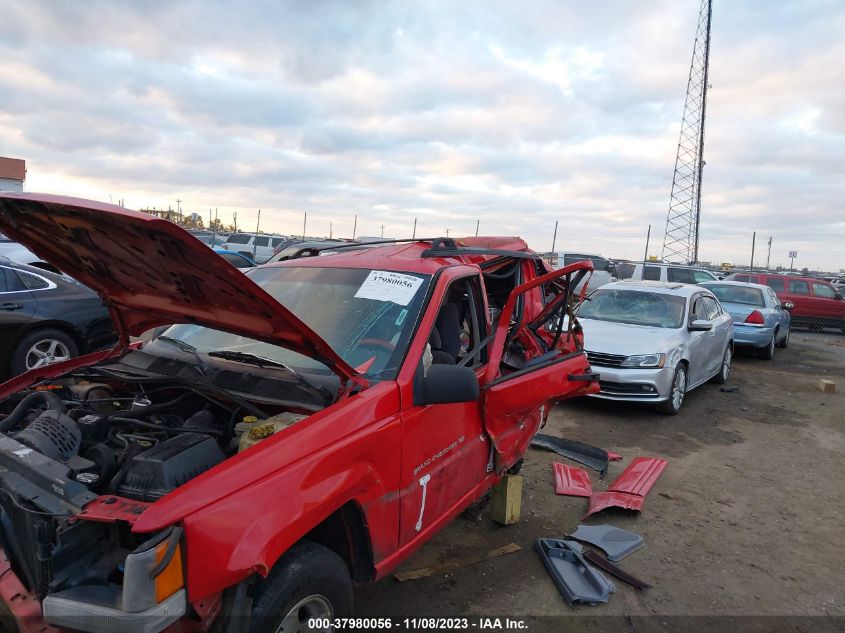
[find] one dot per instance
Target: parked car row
(816, 303)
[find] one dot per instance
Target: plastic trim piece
(590, 456)
(615, 542)
(571, 480)
(602, 563)
(577, 581)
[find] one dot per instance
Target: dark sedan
(46, 318)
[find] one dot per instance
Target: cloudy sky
(516, 114)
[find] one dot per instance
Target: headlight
(645, 361)
(151, 598)
(153, 572)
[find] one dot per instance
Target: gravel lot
(745, 521)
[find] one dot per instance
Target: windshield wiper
(185, 347)
(249, 359)
(261, 361)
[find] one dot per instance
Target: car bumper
(634, 385)
(750, 335)
(17, 604)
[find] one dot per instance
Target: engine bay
(119, 431)
(139, 440)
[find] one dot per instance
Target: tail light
(755, 318)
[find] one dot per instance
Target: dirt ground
(745, 521)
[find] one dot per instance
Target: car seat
(445, 337)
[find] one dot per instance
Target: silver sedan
(654, 341)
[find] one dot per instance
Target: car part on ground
(590, 456)
(613, 456)
(571, 481)
(630, 488)
(604, 564)
(615, 542)
(577, 581)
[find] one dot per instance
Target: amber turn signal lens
(170, 580)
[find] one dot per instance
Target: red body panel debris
(570, 480)
(613, 456)
(630, 488)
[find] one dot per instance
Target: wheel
(677, 393)
(42, 347)
(768, 352)
(309, 581)
(725, 370)
(785, 342)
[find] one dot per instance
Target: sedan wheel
(46, 352)
(768, 352)
(42, 347)
(676, 395)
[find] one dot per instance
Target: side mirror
(447, 384)
(788, 305)
(700, 325)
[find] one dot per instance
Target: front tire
(308, 582)
(42, 347)
(677, 393)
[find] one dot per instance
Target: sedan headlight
(644, 361)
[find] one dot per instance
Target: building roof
(12, 168)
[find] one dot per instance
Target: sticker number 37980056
(383, 285)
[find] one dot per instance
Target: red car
(815, 303)
(302, 427)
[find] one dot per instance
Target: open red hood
(150, 272)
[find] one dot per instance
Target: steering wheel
(377, 342)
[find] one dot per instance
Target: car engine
(135, 443)
(67, 442)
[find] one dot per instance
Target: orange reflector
(170, 580)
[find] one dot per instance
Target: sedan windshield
(737, 294)
(366, 316)
(634, 307)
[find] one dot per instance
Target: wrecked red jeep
(293, 431)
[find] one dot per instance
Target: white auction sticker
(382, 285)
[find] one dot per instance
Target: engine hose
(148, 409)
(165, 429)
(50, 400)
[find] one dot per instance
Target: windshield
(634, 307)
(239, 238)
(366, 316)
(737, 294)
